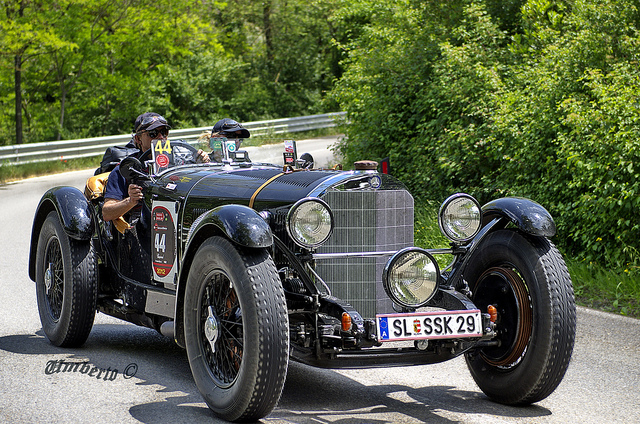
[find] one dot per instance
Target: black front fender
(240, 224)
(529, 216)
(75, 214)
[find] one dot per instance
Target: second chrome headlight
(411, 277)
(310, 222)
(460, 217)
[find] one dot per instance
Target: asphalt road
(146, 378)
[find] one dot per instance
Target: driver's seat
(94, 192)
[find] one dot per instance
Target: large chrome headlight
(460, 217)
(310, 222)
(411, 277)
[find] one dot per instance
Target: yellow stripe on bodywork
(266, 183)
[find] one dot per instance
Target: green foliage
(427, 233)
(21, 172)
(89, 68)
(612, 291)
(425, 102)
(467, 96)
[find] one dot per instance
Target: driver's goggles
(154, 133)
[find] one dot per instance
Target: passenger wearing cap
(230, 129)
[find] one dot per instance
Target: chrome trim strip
(337, 179)
(324, 256)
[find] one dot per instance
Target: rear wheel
(236, 329)
(66, 284)
(526, 280)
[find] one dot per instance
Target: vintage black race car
(248, 264)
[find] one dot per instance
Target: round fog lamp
(411, 277)
(310, 222)
(460, 217)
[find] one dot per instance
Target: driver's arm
(113, 208)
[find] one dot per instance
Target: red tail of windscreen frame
(384, 164)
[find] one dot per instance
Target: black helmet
(229, 127)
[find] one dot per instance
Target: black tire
(66, 284)
(526, 279)
(234, 297)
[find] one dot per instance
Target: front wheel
(236, 329)
(526, 280)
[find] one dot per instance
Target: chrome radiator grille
(366, 221)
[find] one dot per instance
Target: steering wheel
(145, 156)
(184, 144)
(184, 152)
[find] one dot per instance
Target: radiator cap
(365, 165)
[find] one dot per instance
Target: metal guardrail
(86, 147)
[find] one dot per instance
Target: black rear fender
(75, 213)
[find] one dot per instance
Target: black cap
(148, 121)
(229, 127)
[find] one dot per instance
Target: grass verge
(10, 173)
(615, 291)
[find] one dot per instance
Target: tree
(27, 33)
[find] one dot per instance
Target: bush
(547, 111)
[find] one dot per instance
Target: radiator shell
(365, 221)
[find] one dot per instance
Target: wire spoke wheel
(66, 284)
(54, 278)
(236, 329)
(222, 331)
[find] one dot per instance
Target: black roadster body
(247, 265)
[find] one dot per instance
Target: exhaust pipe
(167, 329)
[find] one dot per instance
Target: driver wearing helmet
(119, 196)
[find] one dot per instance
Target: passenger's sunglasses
(154, 133)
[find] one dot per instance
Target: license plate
(429, 325)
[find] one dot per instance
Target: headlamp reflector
(411, 277)
(460, 217)
(310, 222)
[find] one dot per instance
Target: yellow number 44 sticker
(163, 149)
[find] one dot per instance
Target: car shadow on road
(310, 395)
(351, 402)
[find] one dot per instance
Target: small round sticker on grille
(375, 181)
